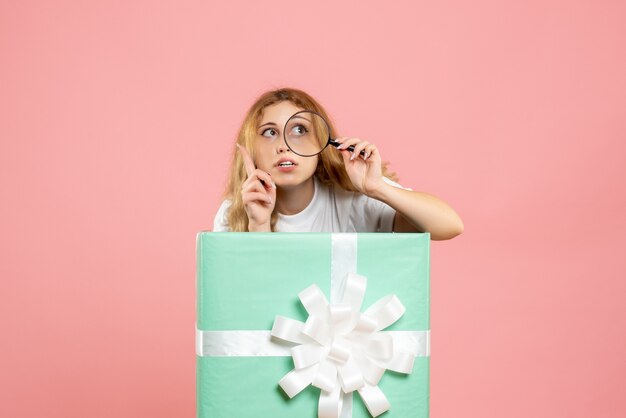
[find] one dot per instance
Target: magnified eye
(299, 130)
(269, 133)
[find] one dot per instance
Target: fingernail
(269, 200)
(273, 185)
(352, 156)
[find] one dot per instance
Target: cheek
(313, 163)
(263, 163)
(262, 158)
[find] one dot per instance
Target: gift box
(255, 288)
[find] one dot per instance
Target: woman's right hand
(258, 193)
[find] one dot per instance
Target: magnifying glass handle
(350, 148)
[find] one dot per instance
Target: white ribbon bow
(341, 349)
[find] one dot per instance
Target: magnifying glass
(307, 134)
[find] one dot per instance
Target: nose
(282, 147)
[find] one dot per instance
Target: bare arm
(420, 212)
(415, 211)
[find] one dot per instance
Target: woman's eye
(299, 130)
(269, 133)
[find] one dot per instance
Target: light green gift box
(244, 280)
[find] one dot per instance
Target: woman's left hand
(365, 171)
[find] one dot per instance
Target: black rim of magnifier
(330, 141)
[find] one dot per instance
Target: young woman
(273, 189)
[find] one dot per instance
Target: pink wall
(117, 120)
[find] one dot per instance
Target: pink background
(117, 123)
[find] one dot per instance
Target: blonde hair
(330, 168)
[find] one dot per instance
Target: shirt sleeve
(371, 215)
(220, 224)
(378, 215)
(394, 184)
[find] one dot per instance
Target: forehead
(279, 112)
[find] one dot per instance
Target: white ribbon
(341, 350)
(255, 343)
(338, 349)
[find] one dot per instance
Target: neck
(292, 200)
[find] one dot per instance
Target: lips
(286, 162)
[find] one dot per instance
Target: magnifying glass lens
(306, 133)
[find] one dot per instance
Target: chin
(289, 183)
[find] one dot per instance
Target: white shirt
(332, 209)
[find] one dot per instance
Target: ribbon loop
(296, 380)
(343, 350)
(380, 346)
(372, 373)
(374, 399)
(314, 301)
(339, 351)
(306, 355)
(340, 312)
(318, 329)
(365, 324)
(330, 403)
(354, 291)
(401, 362)
(326, 377)
(386, 311)
(289, 330)
(351, 377)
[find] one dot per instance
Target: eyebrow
(273, 124)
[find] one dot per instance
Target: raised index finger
(247, 160)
